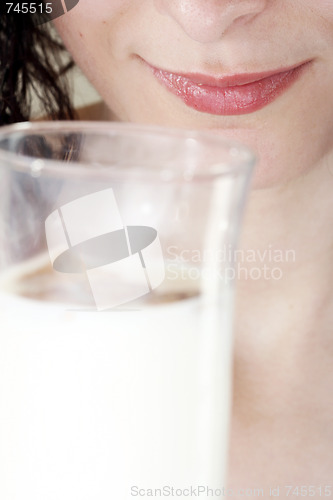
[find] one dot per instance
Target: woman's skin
(282, 423)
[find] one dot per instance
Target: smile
(230, 95)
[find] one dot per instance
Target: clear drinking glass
(116, 245)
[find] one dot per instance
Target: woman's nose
(207, 20)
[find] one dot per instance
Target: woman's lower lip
(232, 99)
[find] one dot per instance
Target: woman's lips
(230, 95)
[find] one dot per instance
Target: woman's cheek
(100, 10)
(324, 8)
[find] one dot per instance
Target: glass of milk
(116, 291)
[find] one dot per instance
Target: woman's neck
(284, 325)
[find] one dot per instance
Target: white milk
(94, 403)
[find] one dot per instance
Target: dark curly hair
(32, 61)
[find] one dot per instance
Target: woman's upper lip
(231, 80)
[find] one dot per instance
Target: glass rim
(242, 157)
